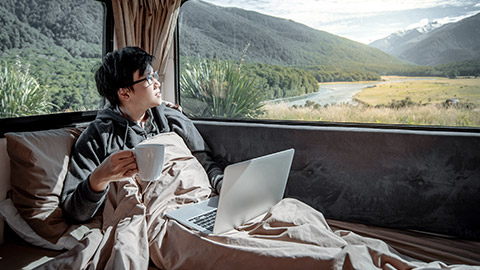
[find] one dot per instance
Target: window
(331, 61)
(48, 50)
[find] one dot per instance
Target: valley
(394, 100)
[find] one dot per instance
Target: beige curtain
(148, 24)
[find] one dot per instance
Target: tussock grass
(222, 89)
(20, 93)
(414, 115)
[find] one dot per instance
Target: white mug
(149, 161)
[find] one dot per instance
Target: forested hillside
(211, 31)
(42, 24)
(58, 42)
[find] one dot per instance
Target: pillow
(39, 163)
(9, 213)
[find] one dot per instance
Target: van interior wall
(402, 179)
(4, 178)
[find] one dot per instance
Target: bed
(131, 231)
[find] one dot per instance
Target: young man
(134, 112)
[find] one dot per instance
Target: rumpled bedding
(132, 232)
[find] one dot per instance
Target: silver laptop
(250, 188)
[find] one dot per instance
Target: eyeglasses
(149, 78)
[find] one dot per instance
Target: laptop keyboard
(205, 220)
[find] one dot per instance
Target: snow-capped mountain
(400, 40)
(435, 42)
(429, 26)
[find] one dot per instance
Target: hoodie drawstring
(125, 136)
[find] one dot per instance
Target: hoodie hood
(129, 131)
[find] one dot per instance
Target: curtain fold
(148, 24)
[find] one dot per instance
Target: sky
(363, 21)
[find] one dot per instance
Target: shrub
(20, 94)
(403, 103)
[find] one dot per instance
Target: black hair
(117, 71)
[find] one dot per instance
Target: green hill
(50, 25)
(210, 31)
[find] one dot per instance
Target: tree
(452, 74)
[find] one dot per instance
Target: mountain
(396, 43)
(51, 25)
(269, 40)
(434, 44)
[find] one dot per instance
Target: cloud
(441, 21)
(363, 21)
(339, 7)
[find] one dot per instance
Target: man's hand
(118, 166)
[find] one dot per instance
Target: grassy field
(422, 90)
(430, 93)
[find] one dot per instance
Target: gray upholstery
(404, 179)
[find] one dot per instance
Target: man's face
(146, 93)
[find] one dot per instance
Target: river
(329, 94)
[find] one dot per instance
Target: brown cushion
(39, 163)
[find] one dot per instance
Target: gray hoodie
(110, 132)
